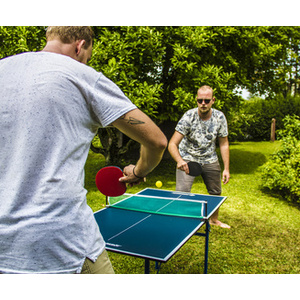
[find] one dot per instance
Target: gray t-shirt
(199, 142)
(50, 109)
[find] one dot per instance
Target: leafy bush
(281, 173)
(17, 39)
(238, 124)
(253, 119)
(291, 128)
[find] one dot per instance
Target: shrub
(253, 119)
(281, 173)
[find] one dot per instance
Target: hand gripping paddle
(107, 181)
(195, 168)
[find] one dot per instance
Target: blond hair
(207, 88)
(69, 34)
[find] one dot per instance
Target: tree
(288, 66)
(160, 68)
(131, 57)
(18, 39)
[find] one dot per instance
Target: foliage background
(253, 118)
(281, 173)
(161, 67)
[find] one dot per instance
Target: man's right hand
(183, 166)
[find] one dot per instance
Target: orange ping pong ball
(158, 184)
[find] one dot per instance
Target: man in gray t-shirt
(51, 105)
(195, 139)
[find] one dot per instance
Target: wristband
(136, 175)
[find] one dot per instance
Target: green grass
(264, 237)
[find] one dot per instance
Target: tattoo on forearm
(132, 121)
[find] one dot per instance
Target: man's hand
(129, 176)
(226, 176)
(183, 166)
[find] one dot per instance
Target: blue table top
(149, 235)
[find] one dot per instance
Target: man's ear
(79, 45)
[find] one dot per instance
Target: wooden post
(273, 130)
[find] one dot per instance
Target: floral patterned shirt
(199, 142)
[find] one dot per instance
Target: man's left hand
(226, 176)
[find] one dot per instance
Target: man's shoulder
(217, 113)
(189, 116)
(191, 112)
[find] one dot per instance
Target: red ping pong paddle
(107, 181)
(195, 168)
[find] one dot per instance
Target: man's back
(48, 119)
(44, 122)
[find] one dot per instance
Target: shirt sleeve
(109, 102)
(223, 131)
(183, 126)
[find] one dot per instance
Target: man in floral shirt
(195, 139)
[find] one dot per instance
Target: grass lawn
(265, 229)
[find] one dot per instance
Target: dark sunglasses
(205, 100)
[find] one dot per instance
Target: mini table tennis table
(155, 236)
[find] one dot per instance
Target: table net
(159, 205)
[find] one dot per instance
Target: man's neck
(205, 116)
(56, 46)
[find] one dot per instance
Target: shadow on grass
(241, 162)
(278, 195)
(245, 162)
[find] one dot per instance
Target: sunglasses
(205, 100)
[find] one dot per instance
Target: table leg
(147, 266)
(207, 230)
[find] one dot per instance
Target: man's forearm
(138, 126)
(225, 156)
(224, 149)
(174, 152)
(149, 159)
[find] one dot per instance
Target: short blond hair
(69, 34)
(207, 88)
